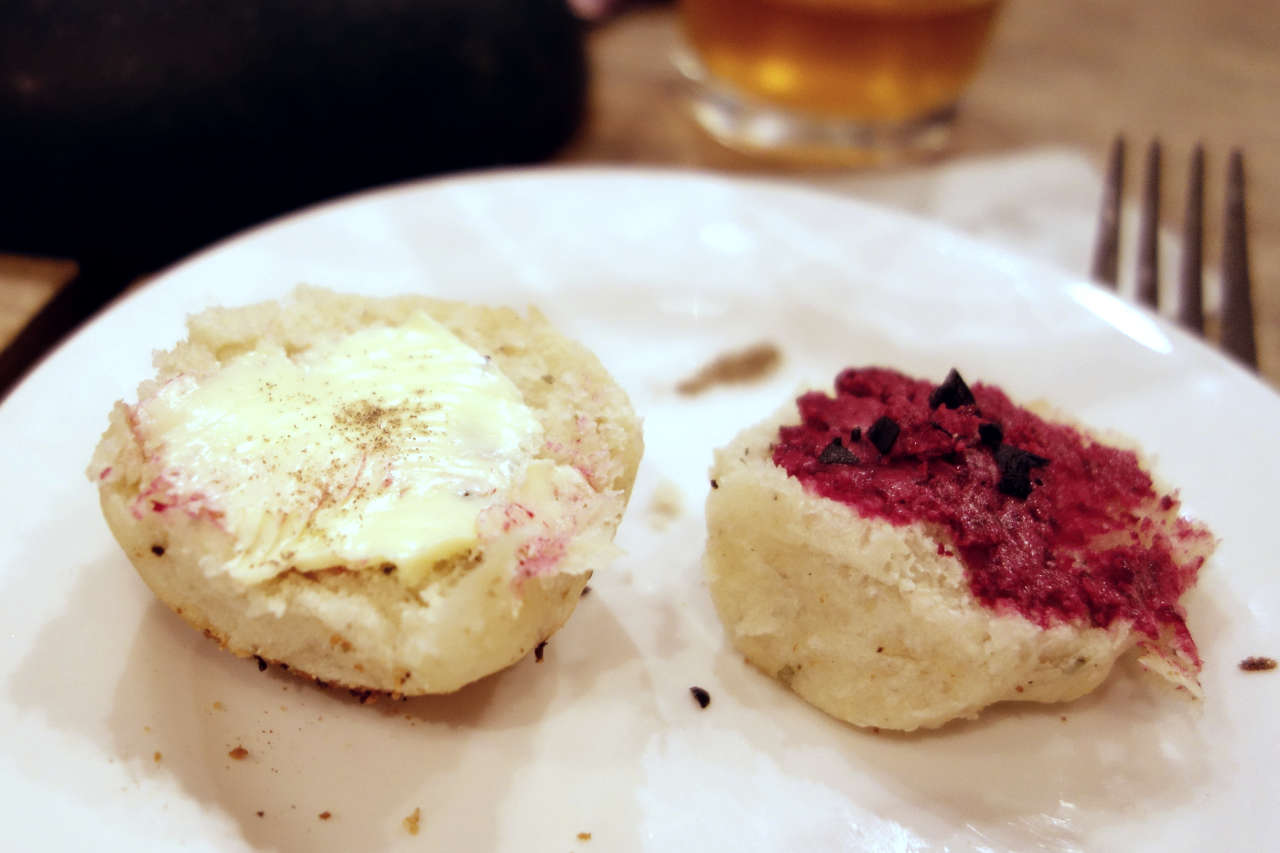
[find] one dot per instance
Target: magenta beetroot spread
(1047, 522)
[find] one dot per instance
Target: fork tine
(1148, 288)
(1190, 281)
(1106, 250)
(1237, 304)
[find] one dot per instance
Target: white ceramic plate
(116, 719)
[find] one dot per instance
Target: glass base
(755, 127)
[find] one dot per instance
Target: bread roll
(852, 557)
(398, 495)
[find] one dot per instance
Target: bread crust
(872, 622)
(364, 629)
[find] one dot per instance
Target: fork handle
(1237, 304)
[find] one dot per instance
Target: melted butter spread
(378, 448)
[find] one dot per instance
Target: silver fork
(1236, 334)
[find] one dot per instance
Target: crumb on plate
(739, 366)
(666, 505)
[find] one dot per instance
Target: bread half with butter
(399, 495)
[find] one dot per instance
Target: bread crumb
(1257, 664)
(584, 836)
(218, 706)
(666, 505)
(325, 815)
(740, 366)
(411, 822)
(260, 813)
(239, 753)
(156, 758)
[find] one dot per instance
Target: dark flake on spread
(952, 393)
(1015, 470)
(883, 433)
(836, 453)
(702, 697)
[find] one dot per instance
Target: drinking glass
(832, 80)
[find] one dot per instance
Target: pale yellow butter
(379, 447)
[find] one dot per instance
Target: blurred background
(136, 132)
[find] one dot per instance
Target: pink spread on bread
(1048, 522)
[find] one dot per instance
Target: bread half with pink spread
(902, 553)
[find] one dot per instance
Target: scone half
(399, 495)
(876, 619)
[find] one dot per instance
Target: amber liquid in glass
(868, 60)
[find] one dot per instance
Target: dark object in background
(151, 126)
(133, 132)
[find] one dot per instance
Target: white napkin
(1041, 203)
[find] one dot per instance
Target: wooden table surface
(1060, 72)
